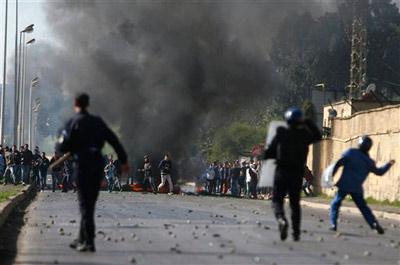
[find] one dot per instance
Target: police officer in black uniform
(84, 136)
(290, 149)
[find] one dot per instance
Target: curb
(7, 207)
(352, 210)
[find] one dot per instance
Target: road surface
(135, 228)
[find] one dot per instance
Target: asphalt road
(135, 228)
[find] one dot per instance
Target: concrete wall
(383, 126)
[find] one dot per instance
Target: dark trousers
(55, 178)
(42, 178)
(148, 182)
(288, 182)
(88, 175)
(358, 199)
(224, 186)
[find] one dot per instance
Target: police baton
(61, 160)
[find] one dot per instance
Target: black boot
(376, 226)
(283, 228)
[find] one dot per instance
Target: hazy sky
(30, 12)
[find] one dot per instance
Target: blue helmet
(293, 115)
(364, 143)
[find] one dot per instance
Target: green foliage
(6, 194)
(235, 140)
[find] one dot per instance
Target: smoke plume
(161, 71)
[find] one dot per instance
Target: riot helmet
(293, 115)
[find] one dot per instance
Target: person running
(356, 164)
(290, 149)
(165, 167)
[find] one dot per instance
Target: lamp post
(15, 131)
(21, 63)
(3, 91)
(34, 82)
(23, 89)
(17, 106)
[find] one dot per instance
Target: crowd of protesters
(240, 179)
(22, 166)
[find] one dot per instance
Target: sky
(30, 12)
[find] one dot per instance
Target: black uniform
(290, 149)
(84, 136)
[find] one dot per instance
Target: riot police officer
(290, 149)
(84, 136)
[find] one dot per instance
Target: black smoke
(162, 71)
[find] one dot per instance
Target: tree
(235, 140)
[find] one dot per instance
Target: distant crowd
(240, 179)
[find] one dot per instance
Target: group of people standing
(240, 178)
(23, 166)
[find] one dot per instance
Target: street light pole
(3, 91)
(15, 132)
(28, 29)
(34, 82)
(24, 88)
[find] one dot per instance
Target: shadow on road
(9, 233)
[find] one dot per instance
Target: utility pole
(16, 91)
(3, 91)
(358, 67)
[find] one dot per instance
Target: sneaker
(378, 228)
(84, 247)
(296, 237)
(170, 193)
(333, 228)
(283, 227)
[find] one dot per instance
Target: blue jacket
(356, 167)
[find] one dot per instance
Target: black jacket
(290, 145)
(85, 134)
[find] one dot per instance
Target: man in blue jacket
(356, 166)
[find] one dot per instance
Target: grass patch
(5, 195)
